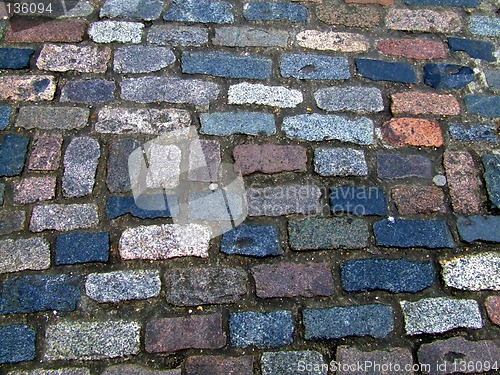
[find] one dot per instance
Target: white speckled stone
(164, 241)
(473, 272)
(116, 31)
(332, 41)
(437, 315)
(351, 98)
(276, 96)
(340, 162)
(24, 254)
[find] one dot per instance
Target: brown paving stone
(293, 280)
(424, 103)
(412, 200)
(379, 2)
(35, 189)
(347, 15)
(197, 332)
(493, 308)
(217, 365)
(30, 88)
(392, 358)
(419, 49)
(423, 20)
(45, 153)
(463, 181)
(412, 132)
(332, 41)
(30, 31)
(269, 158)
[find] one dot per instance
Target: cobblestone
(356, 200)
(348, 15)
(414, 200)
(392, 166)
(473, 133)
(142, 59)
(67, 57)
(483, 105)
(206, 11)
(482, 228)
(51, 118)
(116, 31)
(215, 365)
(227, 123)
(29, 31)
(492, 177)
(45, 153)
(447, 76)
(340, 162)
(282, 363)
(400, 358)
(472, 272)
(15, 58)
(18, 343)
(477, 49)
(493, 309)
(270, 11)
(422, 103)
(34, 189)
(378, 70)
(64, 217)
(29, 88)
(139, 9)
(11, 221)
(309, 66)
(252, 240)
(5, 113)
(425, 20)
(404, 131)
(81, 247)
(13, 150)
(419, 49)
(269, 158)
(483, 25)
(136, 370)
(352, 98)
(88, 91)
(176, 35)
(24, 254)
(242, 36)
(332, 41)
(276, 96)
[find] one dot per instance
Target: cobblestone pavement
(366, 132)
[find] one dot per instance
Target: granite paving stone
(419, 49)
(177, 35)
(493, 308)
(424, 103)
(358, 200)
(316, 127)
(13, 150)
(447, 76)
(131, 369)
(395, 166)
(27, 88)
(359, 320)
(80, 164)
(15, 58)
(473, 133)
(136, 9)
(393, 275)
(117, 206)
(351, 98)
(116, 31)
(27, 30)
(18, 343)
(440, 314)
(256, 93)
(350, 15)
(328, 233)
(414, 200)
(493, 79)
(309, 66)
(91, 340)
(2, 193)
(425, 20)
(227, 123)
(262, 330)
(245, 36)
(142, 59)
(215, 206)
(32, 293)
(287, 362)
(68, 57)
(340, 162)
(483, 105)
(24, 254)
(479, 228)
(477, 49)
(81, 247)
(452, 3)
(220, 286)
(123, 285)
(118, 179)
(407, 131)
(218, 364)
(378, 70)
(393, 361)
(274, 11)
(484, 25)
(472, 272)
(88, 91)
(332, 41)
(64, 217)
(5, 113)
(52, 117)
(34, 189)
(269, 158)
(205, 11)
(11, 221)
(45, 153)
(252, 240)
(62, 371)
(204, 161)
(491, 165)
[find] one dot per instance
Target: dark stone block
(269, 11)
(88, 91)
(447, 76)
(483, 105)
(13, 150)
(390, 166)
(479, 228)
(17, 344)
(15, 58)
(205, 11)
(492, 176)
(118, 179)
(473, 133)
(477, 49)
(358, 200)
(5, 112)
(119, 206)
(252, 240)
(82, 247)
(378, 70)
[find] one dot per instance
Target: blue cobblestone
(473, 133)
(393, 275)
(479, 228)
(336, 322)
(5, 112)
(280, 11)
(138, 9)
(308, 66)
(13, 150)
(483, 105)
(32, 293)
(18, 344)
(73, 248)
(119, 206)
(477, 49)
(222, 64)
(492, 176)
(487, 26)
(378, 70)
(88, 91)
(15, 58)
(263, 330)
(227, 123)
(252, 240)
(447, 76)
(432, 234)
(200, 11)
(443, 3)
(358, 200)
(493, 79)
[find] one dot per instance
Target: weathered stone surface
(395, 361)
(24, 254)
(142, 59)
(378, 70)
(18, 343)
(45, 153)
(164, 241)
(272, 11)
(35, 31)
(309, 66)
(493, 79)
(404, 131)
(147, 10)
(456, 353)
(379, 2)
(483, 105)
(11, 221)
(80, 165)
(88, 91)
(244, 36)
(482, 228)
(269, 158)
(347, 15)
(473, 133)
(491, 163)
(67, 57)
(447, 76)
(2, 193)
(340, 162)
(177, 35)
(170, 90)
(220, 285)
(205, 11)
(204, 161)
(351, 98)
(121, 120)
(359, 320)
(419, 49)
(483, 25)
(332, 41)
(13, 150)
(463, 182)
(216, 206)
(135, 370)
(477, 49)
(423, 103)
(119, 206)
(116, 31)
(254, 240)
(218, 364)
(289, 362)
(493, 308)
(81, 247)
(64, 217)
(196, 331)
(67, 340)
(35, 189)
(472, 272)
(393, 275)
(123, 285)
(118, 179)
(5, 113)
(27, 88)
(391, 166)
(283, 200)
(15, 58)
(414, 200)
(328, 233)
(263, 330)
(426, 20)
(50, 118)
(276, 96)
(358, 200)
(227, 123)
(293, 280)
(437, 315)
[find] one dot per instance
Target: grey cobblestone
(67, 57)
(116, 31)
(176, 35)
(352, 98)
(139, 9)
(64, 217)
(340, 162)
(50, 118)
(276, 96)
(309, 66)
(24, 254)
(142, 59)
(244, 36)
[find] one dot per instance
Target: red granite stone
(424, 103)
(269, 158)
(392, 358)
(41, 31)
(412, 200)
(191, 332)
(464, 182)
(35, 189)
(419, 49)
(217, 365)
(45, 153)
(493, 309)
(412, 132)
